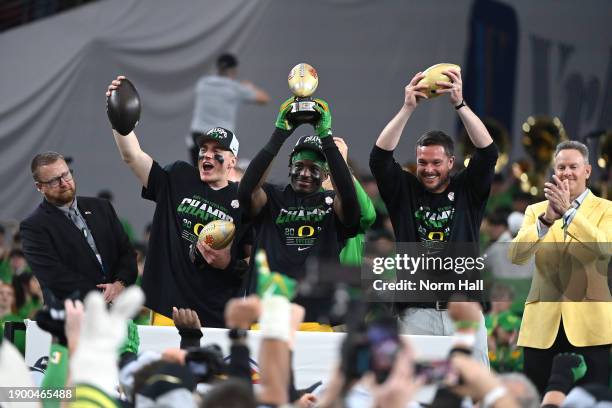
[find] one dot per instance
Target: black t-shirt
(418, 215)
(295, 227)
(434, 217)
(454, 215)
(184, 205)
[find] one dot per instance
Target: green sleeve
(129, 231)
(368, 213)
(6, 274)
(56, 374)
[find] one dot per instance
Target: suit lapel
(586, 209)
(74, 234)
(588, 206)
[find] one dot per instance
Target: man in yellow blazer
(569, 307)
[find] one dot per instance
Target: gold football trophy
(303, 81)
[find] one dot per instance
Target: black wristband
(237, 334)
(461, 105)
(544, 221)
(460, 350)
(190, 333)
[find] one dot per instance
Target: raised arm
(345, 204)
(413, 93)
(138, 161)
(251, 195)
(261, 96)
(476, 130)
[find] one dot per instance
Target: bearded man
(74, 244)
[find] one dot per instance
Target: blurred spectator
(147, 234)
(3, 243)
(17, 262)
(217, 98)
(127, 227)
(501, 193)
(505, 356)
(495, 227)
(7, 306)
(16, 244)
(497, 263)
(521, 201)
(522, 389)
(382, 216)
(28, 295)
(502, 297)
(515, 220)
(144, 316)
(141, 256)
(238, 171)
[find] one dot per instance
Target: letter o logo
(309, 231)
(436, 236)
(197, 228)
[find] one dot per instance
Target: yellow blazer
(571, 276)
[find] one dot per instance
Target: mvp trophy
(303, 81)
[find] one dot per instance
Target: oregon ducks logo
(197, 228)
(305, 231)
(436, 236)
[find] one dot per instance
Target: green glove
(281, 120)
(132, 342)
(323, 126)
(272, 283)
(567, 368)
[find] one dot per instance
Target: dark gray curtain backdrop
(53, 75)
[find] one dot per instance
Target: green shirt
(28, 310)
(352, 253)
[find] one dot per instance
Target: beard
(442, 180)
(63, 197)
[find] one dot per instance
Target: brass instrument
(500, 136)
(541, 135)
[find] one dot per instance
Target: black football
(123, 107)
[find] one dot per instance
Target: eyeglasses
(55, 182)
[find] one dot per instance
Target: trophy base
(303, 111)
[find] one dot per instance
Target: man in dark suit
(74, 243)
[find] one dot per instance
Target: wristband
(461, 105)
(465, 339)
(466, 324)
(275, 318)
(237, 334)
(492, 396)
(544, 221)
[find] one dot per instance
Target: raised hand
(413, 92)
(323, 126)
(281, 120)
(186, 318)
(558, 196)
(454, 88)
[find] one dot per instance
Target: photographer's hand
(189, 327)
(401, 385)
